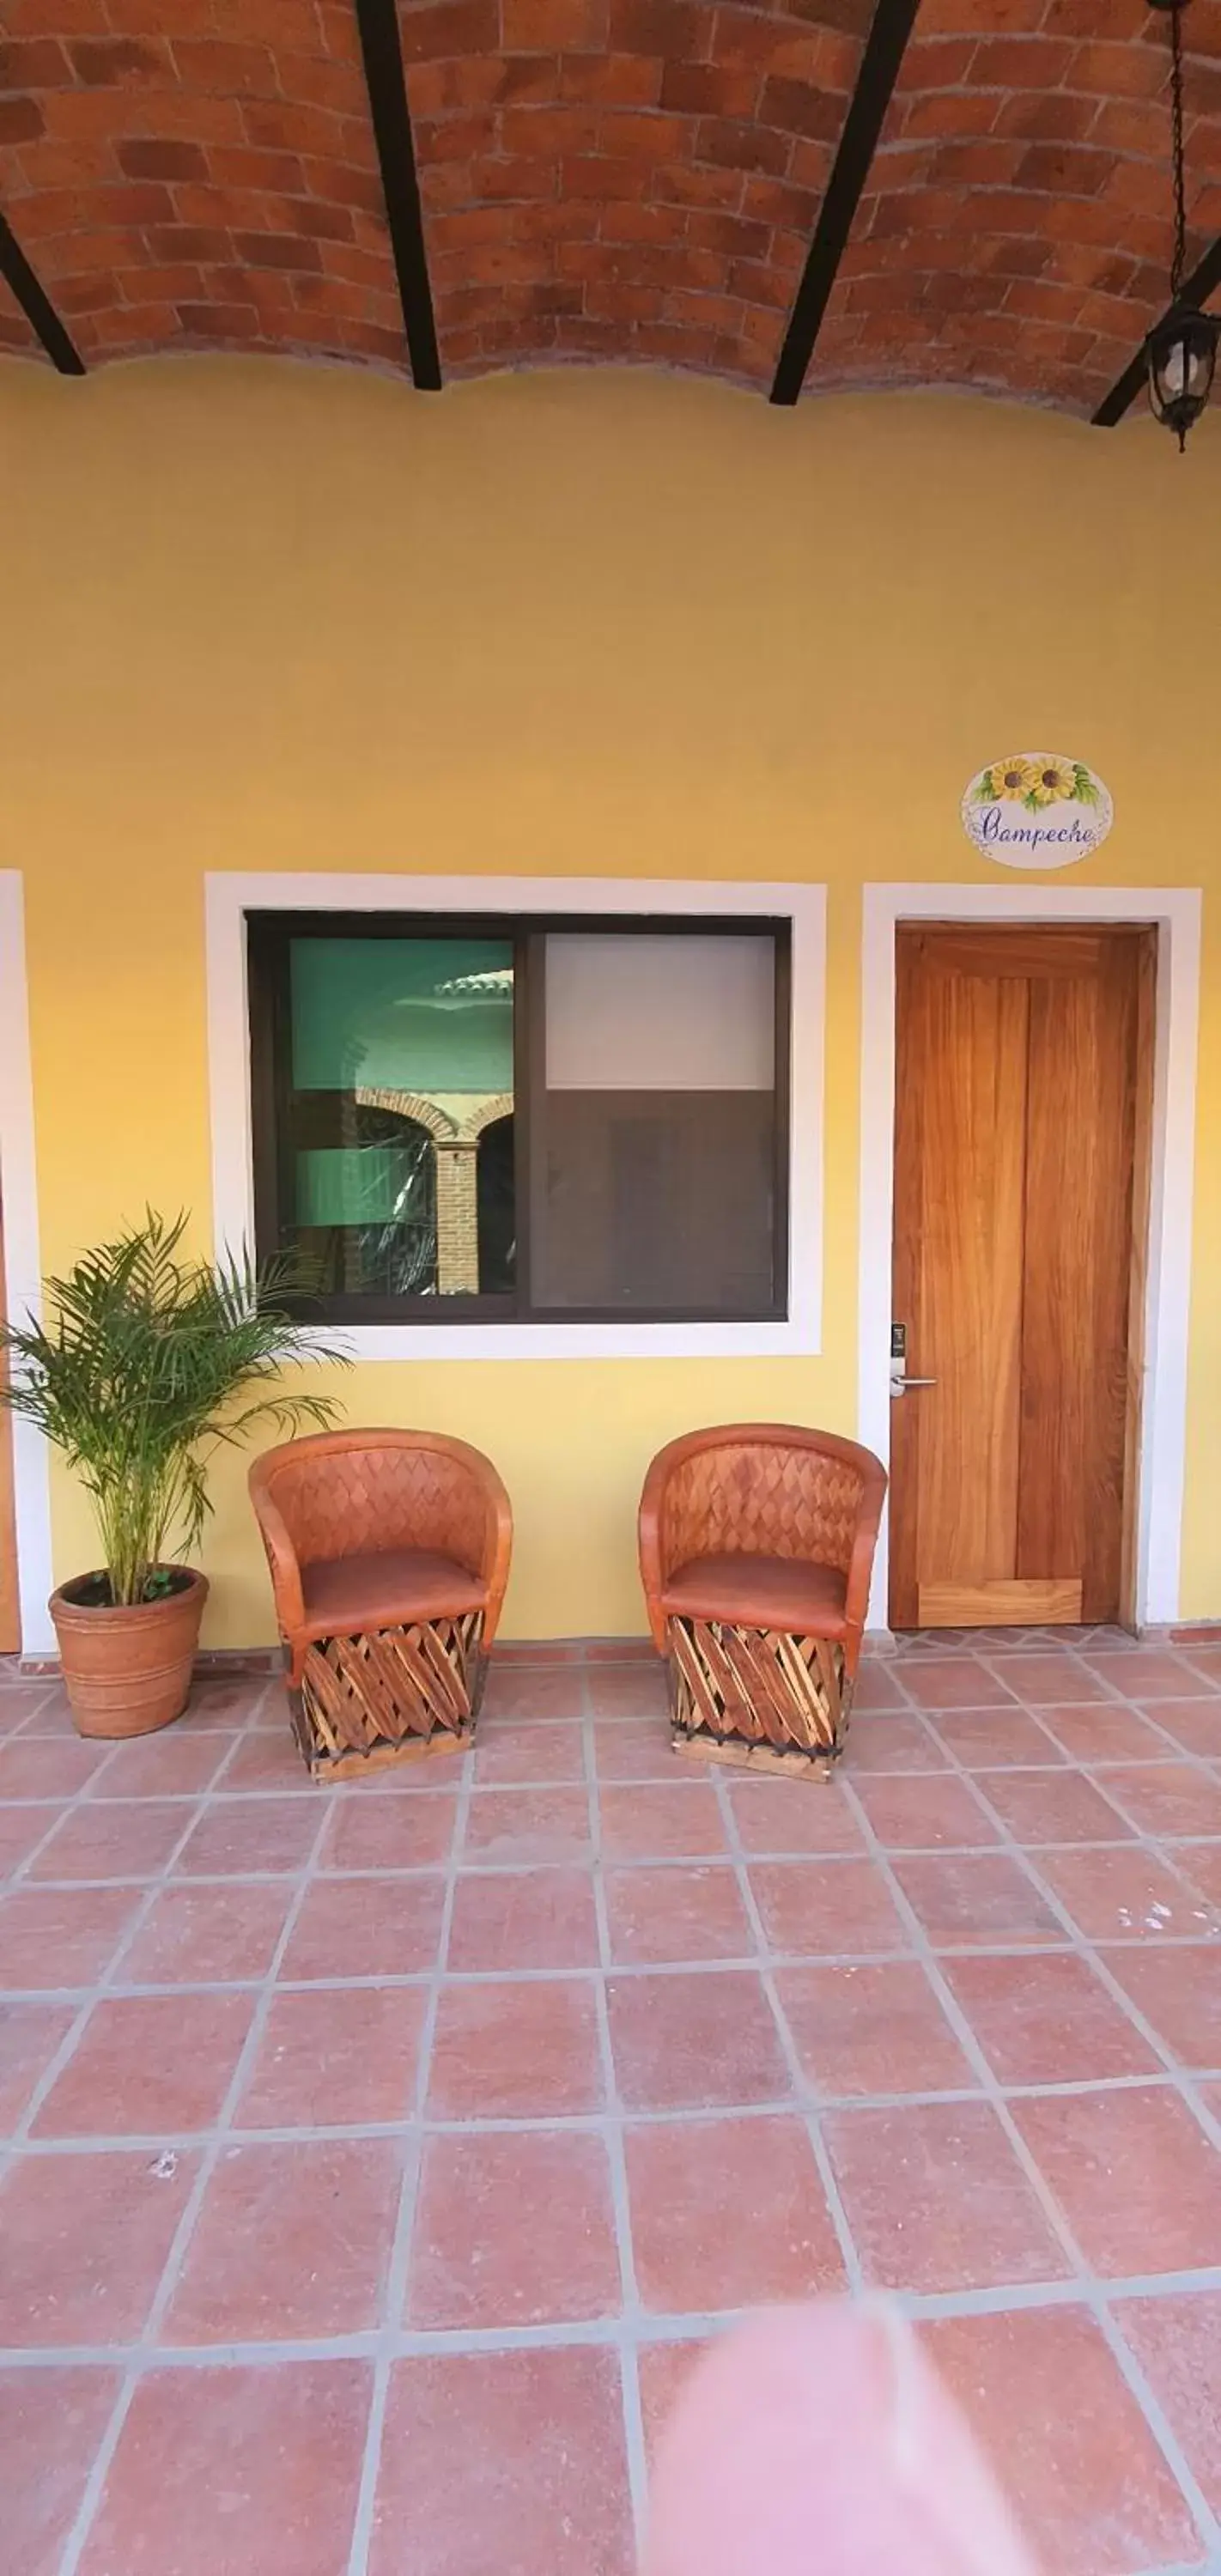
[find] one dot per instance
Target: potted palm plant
(147, 1362)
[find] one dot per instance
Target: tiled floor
(380, 2158)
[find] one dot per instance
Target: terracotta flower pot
(128, 1671)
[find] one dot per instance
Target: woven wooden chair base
(757, 1698)
(390, 1696)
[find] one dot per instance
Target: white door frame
(22, 1265)
(1176, 913)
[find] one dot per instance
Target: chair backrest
(764, 1489)
(344, 1493)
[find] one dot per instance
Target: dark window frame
(268, 939)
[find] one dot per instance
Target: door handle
(899, 1384)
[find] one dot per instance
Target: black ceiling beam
(1197, 288)
(885, 47)
(386, 81)
(36, 304)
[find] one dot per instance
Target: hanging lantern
(1181, 352)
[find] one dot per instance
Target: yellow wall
(261, 616)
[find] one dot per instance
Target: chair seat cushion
(345, 1595)
(759, 1592)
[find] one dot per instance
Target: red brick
(1062, 171)
(1058, 117)
(441, 27)
(545, 131)
(536, 26)
(106, 61)
(21, 120)
(678, 30)
(152, 159)
(613, 80)
(1019, 62)
(709, 89)
(801, 109)
(599, 176)
(737, 146)
(40, 64)
(950, 111)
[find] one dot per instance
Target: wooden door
(1021, 1170)
(10, 1617)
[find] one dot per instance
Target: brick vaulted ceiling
(608, 180)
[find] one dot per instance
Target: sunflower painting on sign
(1037, 810)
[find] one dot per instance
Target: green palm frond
(148, 1362)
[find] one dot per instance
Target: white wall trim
(228, 898)
(22, 1266)
(1176, 911)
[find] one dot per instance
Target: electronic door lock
(899, 1379)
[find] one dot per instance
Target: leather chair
(389, 1555)
(756, 1550)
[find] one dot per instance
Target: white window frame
(23, 1265)
(229, 897)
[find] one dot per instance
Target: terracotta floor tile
(1170, 1798)
(937, 1814)
(1153, 1674)
(954, 1681)
(267, 1758)
(971, 1899)
(292, 2240)
(689, 2186)
(530, 1918)
(532, 1691)
(147, 2066)
(628, 1690)
(235, 2469)
(1136, 2178)
(996, 1739)
(51, 2424)
(198, 1935)
(1177, 2342)
(537, 1753)
(30, 2033)
(664, 2369)
(512, 2461)
(682, 1820)
(1179, 1993)
(115, 1838)
(1200, 1864)
(86, 2239)
(22, 1829)
(1107, 1732)
(35, 1766)
(774, 1817)
(936, 2199)
(898, 1742)
(526, 2051)
(826, 1908)
(634, 1748)
(527, 1825)
(1053, 1677)
(513, 2229)
(1193, 1724)
(234, 1699)
(1068, 2440)
(169, 1765)
(1045, 2018)
(333, 2057)
(877, 1687)
(665, 1916)
(52, 1716)
(1054, 1807)
(871, 2029)
(20, 1702)
(691, 2043)
(1123, 1892)
(366, 1927)
(236, 1837)
(62, 1936)
(395, 1830)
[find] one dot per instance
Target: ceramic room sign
(1037, 809)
